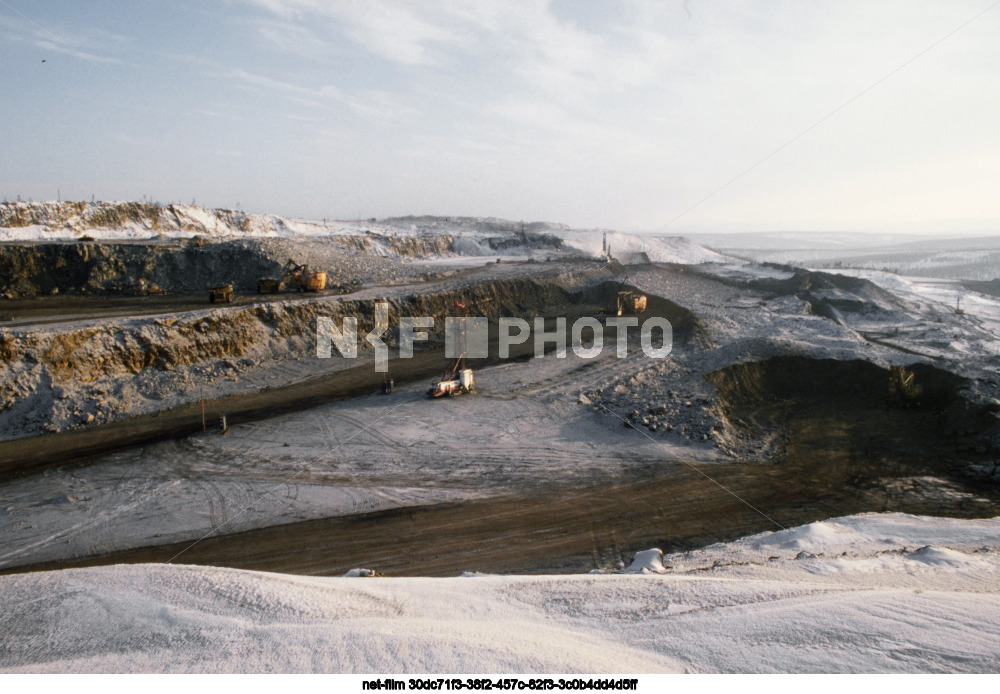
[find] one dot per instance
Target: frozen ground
(130, 221)
(975, 332)
(751, 313)
(855, 594)
(911, 319)
(969, 258)
(870, 593)
(473, 236)
(525, 426)
(531, 423)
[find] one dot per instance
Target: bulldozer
(295, 276)
(628, 303)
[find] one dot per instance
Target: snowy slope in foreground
(861, 593)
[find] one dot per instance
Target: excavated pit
(76, 380)
(828, 416)
(844, 446)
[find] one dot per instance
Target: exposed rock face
(402, 246)
(52, 379)
(787, 408)
(181, 266)
(63, 214)
(130, 269)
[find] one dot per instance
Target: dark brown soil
(568, 530)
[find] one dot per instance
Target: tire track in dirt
(569, 530)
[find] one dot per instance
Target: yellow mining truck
(220, 294)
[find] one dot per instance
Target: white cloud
(370, 103)
(83, 44)
(391, 30)
(555, 77)
(549, 52)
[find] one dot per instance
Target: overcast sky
(611, 114)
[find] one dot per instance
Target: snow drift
(870, 596)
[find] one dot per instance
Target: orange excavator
(294, 276)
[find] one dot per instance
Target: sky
(630, 115)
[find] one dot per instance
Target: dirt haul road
(674, 507)
(42, 310)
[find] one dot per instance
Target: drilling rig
(459, 378)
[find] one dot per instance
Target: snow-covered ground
(528, 423)
(913, 318)
(865, 593)
(869, 593)
(130, 221)
(365, 454)
(59, 221)
(972, 258)
(974, 331)
(476, 239)
(636, 248)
